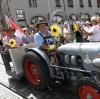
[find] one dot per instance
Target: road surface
(22, 87)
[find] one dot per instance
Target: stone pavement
(3, 75)
(6, 93)
(23, 88)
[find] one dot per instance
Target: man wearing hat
(45, 41)
(43, 37)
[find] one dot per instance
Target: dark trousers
(78, 36)
(6, 60)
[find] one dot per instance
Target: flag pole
(49, 9)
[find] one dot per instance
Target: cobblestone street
(23, 88)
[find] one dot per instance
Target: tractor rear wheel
(89, 88)
(36, 71)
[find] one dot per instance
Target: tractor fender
(43, 55)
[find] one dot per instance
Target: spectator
(94, 31)
(66, 33)
(10, 35)
(27, 38)
(5, 53)
(86, 27)
(32, 28)
(78, 32)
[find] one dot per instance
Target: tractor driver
(43, 37)
(44, 40)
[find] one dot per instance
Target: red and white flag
(19, 31)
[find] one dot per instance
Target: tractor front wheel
(89, 88)
(36, 71)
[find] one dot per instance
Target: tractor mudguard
(43, 55)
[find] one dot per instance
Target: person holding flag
(14, 25)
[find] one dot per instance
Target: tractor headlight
(96, 62)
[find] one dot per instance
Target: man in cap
(27, 38)
(43, 37)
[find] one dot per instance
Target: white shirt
(19, 34)
(96, 33)
(86, 28)
(66, 31)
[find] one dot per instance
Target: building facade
(27, 11)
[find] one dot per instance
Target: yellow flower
(12, 43)
(51, 47)
(55, 30)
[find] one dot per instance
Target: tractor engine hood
(76, 48)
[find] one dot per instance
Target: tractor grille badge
(87, 60)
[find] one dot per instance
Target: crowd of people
(88, 31)
(79, 31)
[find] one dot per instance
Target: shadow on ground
(55, 91)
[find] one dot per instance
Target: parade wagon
(79, 62)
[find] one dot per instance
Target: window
(70, 3)
(32, 3)
(98, 3)
(57, 3)
(89, 3)
(85, 17)
(97, 14)
(81, 3)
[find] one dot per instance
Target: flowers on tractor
(12, 43)
(55, 30)
(51, 47)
